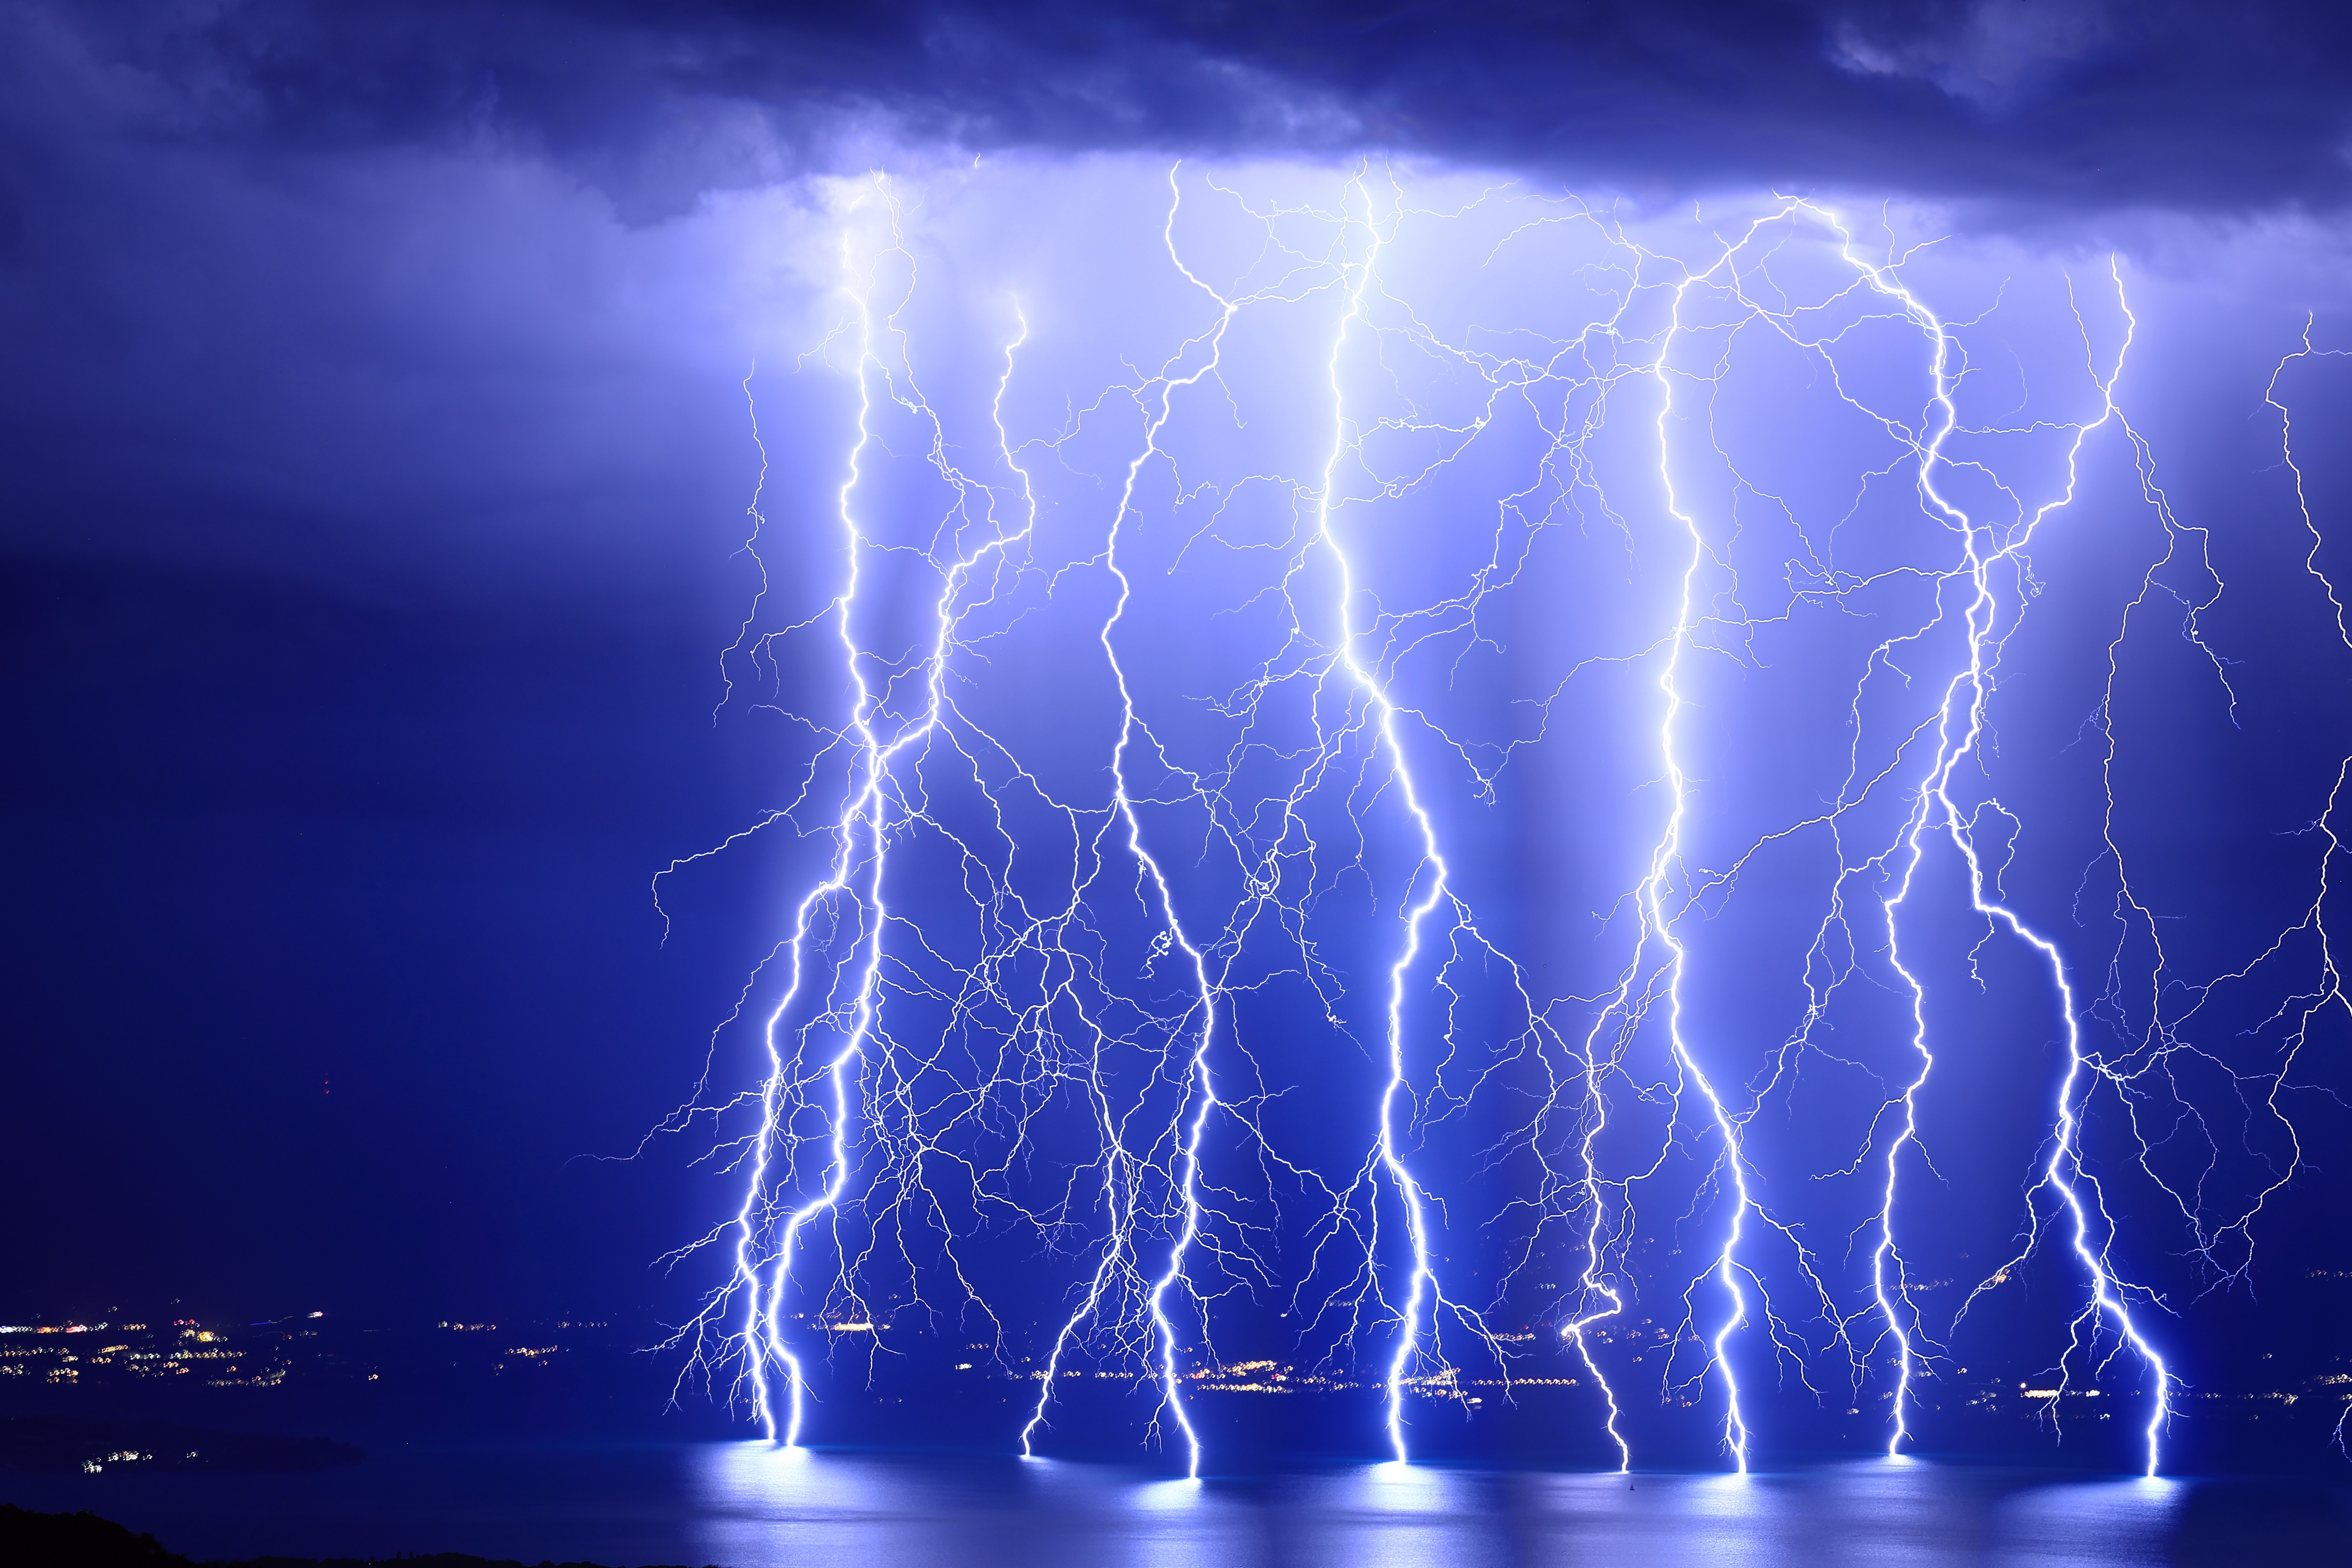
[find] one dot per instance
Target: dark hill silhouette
(30, 1540)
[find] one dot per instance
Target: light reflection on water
(764, 1508)
(747, 1505)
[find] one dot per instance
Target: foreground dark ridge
(30, 1540)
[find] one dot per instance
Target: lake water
(744, 1505)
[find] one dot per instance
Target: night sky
(375, 454)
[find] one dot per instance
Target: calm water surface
(744, 1505)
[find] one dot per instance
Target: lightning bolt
(2064, 1172)
(1170, 1279)
(1009, 976)
(1423, 1293)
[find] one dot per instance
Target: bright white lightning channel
(1422, 1293)
(865, 817)
(1202, 1088)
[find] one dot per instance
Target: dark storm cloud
(2063, 103)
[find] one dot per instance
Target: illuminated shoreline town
(155, 1364)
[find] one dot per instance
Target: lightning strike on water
(1248, 682)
